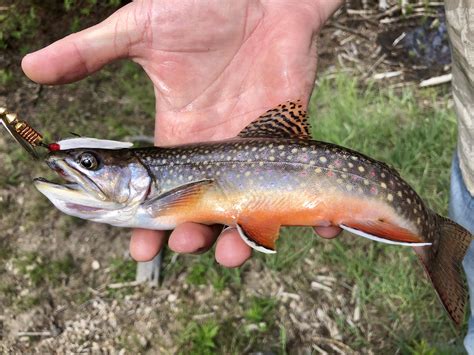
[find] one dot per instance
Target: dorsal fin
(287, 120)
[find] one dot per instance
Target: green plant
(260, 309)
(122, 270)
(422, 348)
(200, 339)
(205, 271)
(6, 77)
(17, 23)
(40, 271)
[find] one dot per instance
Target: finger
(327, 232)
(80, 54)
(193, 237)
(145, 244)
(231, 250)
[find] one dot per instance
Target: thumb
(80, 54)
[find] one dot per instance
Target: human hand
(215, 66)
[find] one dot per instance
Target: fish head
(101, 184)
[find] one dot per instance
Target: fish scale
(258, 160)
(271, 175)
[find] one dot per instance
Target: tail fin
(443, 263)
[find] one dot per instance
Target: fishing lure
(30, 139)
(24, 134)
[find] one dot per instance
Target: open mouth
(78, 195)
(68, 186)
(75, 179)
(55, 166)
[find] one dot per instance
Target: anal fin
(384, 232)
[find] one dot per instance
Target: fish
(271, 175)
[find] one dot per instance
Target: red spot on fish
(330, 173)
(373, 190)
(303, 173)
(53, 147)
(372, 173)
(355, 177)
(338, 163)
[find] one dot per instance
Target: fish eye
(88, 161)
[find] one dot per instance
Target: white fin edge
(93, 143)
(252, 244)
(382, 240)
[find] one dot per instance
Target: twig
(349, 58)
(389, 12)
(34, 334)
(360, 12)
(124, 284)
(398, 39)
(333, 342)
(437, 80)
(349, 30)
(387, 21)
(319, 286)
(376, 64)
(319, 350)
(387, 75)
(203, 316)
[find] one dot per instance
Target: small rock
(251, 327)
(172, 297)
(95, 265)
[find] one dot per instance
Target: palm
(215, 65)
(215, 68)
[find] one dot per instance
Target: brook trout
(271, 175)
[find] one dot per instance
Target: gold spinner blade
(21, 131)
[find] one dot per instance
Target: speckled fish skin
(301, 182)
(272, 175)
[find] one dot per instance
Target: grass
(413, 130)
(202, 271)
(121, 271)
(20, 20)
(199, 339)
(259, 309)
(39, 271)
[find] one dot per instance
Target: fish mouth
(73, 176)
(79, 196)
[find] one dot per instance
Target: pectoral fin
(260, 236)
(383, 232)
(178, 197)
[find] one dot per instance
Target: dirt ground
(67, 285)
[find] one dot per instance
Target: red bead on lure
(54, 147)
